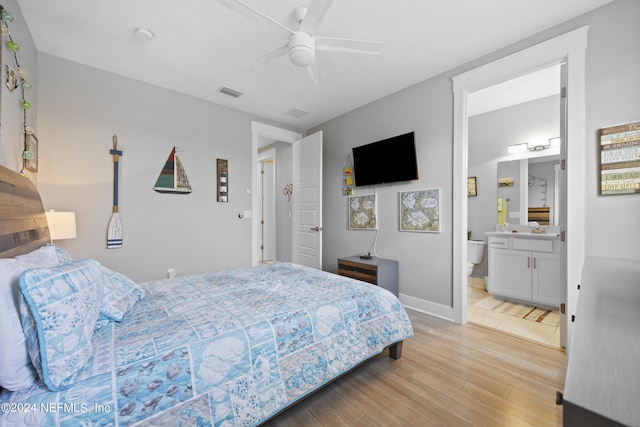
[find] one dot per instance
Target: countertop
(544, 236)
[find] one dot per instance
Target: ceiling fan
(302, 43)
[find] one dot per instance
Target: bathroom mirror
(528, 191)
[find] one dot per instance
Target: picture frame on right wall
(420, 210)
(620, 159)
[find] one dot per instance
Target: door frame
(261, 132)
(572, 48)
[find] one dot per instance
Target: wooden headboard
(23, 223)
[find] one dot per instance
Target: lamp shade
(62, 225)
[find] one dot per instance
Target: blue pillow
(119, 294)
(59, 307)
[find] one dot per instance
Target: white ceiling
(202, 45)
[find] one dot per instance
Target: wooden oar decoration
(114, 230)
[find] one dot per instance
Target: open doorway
(501, 118)
(267, 221)
(571, 48)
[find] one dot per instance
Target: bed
(225, 348)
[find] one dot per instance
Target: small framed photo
(472, 188)
(31, 162)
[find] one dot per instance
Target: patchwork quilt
(230, 348)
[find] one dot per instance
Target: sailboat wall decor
(173, 178)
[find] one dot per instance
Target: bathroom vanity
(525, 266)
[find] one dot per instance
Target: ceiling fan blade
(315, 14)
(348, 45)
(251, 12)
(274, 54)
(316, 72)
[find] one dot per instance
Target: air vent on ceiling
(297, 113)
(230, 92)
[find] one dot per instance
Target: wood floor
(449, 375)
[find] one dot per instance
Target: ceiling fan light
(301, 56)
(302, 49)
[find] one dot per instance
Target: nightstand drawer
(377, 271)
(355, 270)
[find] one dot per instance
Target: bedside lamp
(62, 225)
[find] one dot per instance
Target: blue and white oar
(114, 230)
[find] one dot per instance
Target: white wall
(11, 113)
(80, 109)
(613, 88)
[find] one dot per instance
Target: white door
(307, 199)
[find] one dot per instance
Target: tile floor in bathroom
(546, 332)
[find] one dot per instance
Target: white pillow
(16, 370)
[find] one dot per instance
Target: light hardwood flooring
(448, 375)
(546, 332)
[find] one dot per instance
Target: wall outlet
(171, 273)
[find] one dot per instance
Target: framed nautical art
(173, 178)
(362, 212)
(420, 210)
(620, 159)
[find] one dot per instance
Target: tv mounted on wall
(386, 161)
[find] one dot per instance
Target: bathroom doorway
(529, 113)
(569, 47)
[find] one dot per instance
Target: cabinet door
(510, 273)
(546, 278)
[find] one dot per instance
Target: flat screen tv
(386, 161)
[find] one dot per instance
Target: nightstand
(377, 271)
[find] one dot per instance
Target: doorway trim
(570, 47)
(261, 132)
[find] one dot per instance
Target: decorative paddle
(114, 230)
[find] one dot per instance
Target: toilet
(475, 253)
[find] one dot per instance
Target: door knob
(316, 228)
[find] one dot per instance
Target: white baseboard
(427, 307)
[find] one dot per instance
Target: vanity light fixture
(522, 147)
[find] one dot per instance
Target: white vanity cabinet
(525, 267)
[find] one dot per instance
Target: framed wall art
(620, 159)
(420, 210)
(362, 212)
(222, 172)
(472, 186)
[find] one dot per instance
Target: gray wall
(612, 91)
(80, 109)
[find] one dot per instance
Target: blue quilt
(220, 349)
